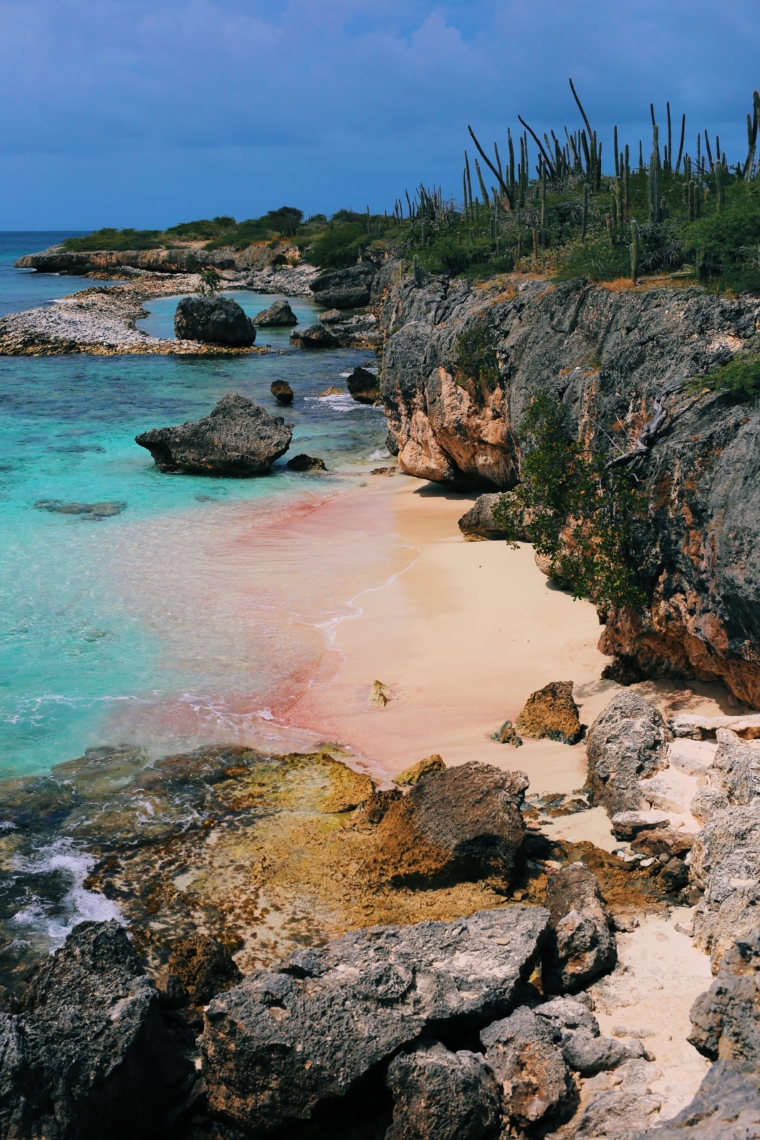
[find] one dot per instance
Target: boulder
(87, 1055)
(587, 1055)
(363, 386)
(707, 803)
(331, 317)
(735, 771)
(479, 520)
(626, 743)
(726, 1107)
(306, 463)
(237, 438)
(664, 841)
(213, 320)
(725, 864)
(581, 946)
(629, 824)
(534, 1078)
(412, 775)
(551, 712)
(203, 967)
(282, 392)
(344, 288)
(622, 1111)
(315, 336)
(278, 314)
(726, 1019)
(281, 1043)
(440, 1095)
(456, 823)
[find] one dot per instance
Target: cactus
(584, 224)
(617, 157)
(720, 187)
(626, 185)
(417, 272)
(668, 165)
(634, 253)
(641, 158)
(687, 167)
(653, 180)
(680, 145)
(618, 200)
(543, 195)
(483, 190)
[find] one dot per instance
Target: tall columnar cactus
(584, 224)
(634, 252)
(417, 271)
(617, 156)
(626, 184)
(720, 187)
(483, 190)
(653, 180)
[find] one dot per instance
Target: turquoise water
(177, 620)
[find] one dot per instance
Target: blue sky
(124, 112)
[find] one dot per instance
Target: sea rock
(456, 823)
(726, 1107)
(203, 967)
(551, 712)
(581, 946)
(531, 1070)
(280, 1043)
(440, 1095)
(213, 320)
(344, 288)
(278, 314)
(237, 438)
(306, 463)
(362, 385)
(707, 803)
(331, 317)
(626, 743)
(315, 336)
(412, 775)
(95, 511)
(88, 1055)
(507, 734)
(479, 519)
(726, 1019)
(282, 392)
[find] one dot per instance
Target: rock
(331, 317)
(95, 511)
(344, 288)
(736, 768)
(581, 946)
(203, 967)
(88, 1055)
(551, 712)
(456, 823)
(306, 463)
(315, 336)
(566, 1015)
(623, 1111)
(279, 1044)
(507, 734)
(213, 320)
(626, 743)
(726, 1107)
(694, 757)
(725, 864)
(587, 1055)
(411, 775)
(237, 438)
(278, 314)
(479, 519)
(331, 391)
(664, 841)
(282, 392)
(670, 790)
(531, 1070)
(440, 1095)
(380, 695)
(363, 386)
(726, 1019)
(707, 803)
(629, 824)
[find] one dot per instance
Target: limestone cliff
(604, 354)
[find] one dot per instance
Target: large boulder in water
(278, 314)
(344, 288)
(237, 438)
(213, 320)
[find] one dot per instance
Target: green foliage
(723, 244)
(113, 239)
(202, 230)
(576, 513)
(476, 357)
(741, 376)
(340, 244)
(211, 281)
(286, 220)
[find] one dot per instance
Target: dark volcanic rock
(213, 320)
(726, 1019)
(315, 336)
(344, 288)
(95, 511)
(456, 823)
(440, 1095)
(280, 1043)
(621, 1112)
(363, 386)
(282, 392)
(279, 313)
(581, 946)
(531, 1070)
(625, 744)
(551, 712)
(237, 438)
(726, 1107)
(306, 463)
(479, 519)
(88, 1055)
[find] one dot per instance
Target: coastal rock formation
(479, 520)
(581, 946)
(725, 864)
(236, 438)
(281, 1043)
(213, 320)
(363, 386)
(278, 314)
(344, 288)
(87, 1054)
(203, 968)
(726, 1019)
(726, 1107)
(437, 1093)
(412, 775)
(625, 744)
(315, 336)
(534, 1077)
(551, 712)
(306, 463)
(282, 392)
(331, 317)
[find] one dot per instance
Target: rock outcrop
(437, 1093)
(344, 288)
(278, 314)
(625, 744)
(315, 336)
(581, 946)
(213, 320)
(236, 438)
(479, 521)
(282, 392)
(531, 1070)
(306, 463)
(727, 1107)
(551, 712)
(363, 386)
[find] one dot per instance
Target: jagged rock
(331, 317)
(507, 734)
(726, 1107)
(440, 1095)
(479, 519)
(411, 775)
(306, 463)
(664, 841)
(626, 743)
(629, 824)
(566, 1015)
(623, 1111)
(726, 1019)
(88, 1055)
(278, 314)
(362, 385)
(213, 320)
(315, 336)
(282, 392)
(725, 864)
(736, 768)
(707, 803)
(551, 712)
(531, 1070)
(588, 1055)
(581, 946)
(344, 288)
(280, 1043)
(204, 968)
(237, 438)
(455, 823)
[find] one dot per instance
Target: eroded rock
(277, 315)
(479, 521)
(531, 1070)
(282, 392)
(581, 946)
(204, 968)
(626, 743)
(344, 288)
(440, 1095)
(306, 463)
(213, 320)
(726, 1019)
(726, 1107)
(412, 774)
(363, 386)
(551, 712)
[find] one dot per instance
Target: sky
(133, 113)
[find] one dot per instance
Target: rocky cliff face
(604, 355)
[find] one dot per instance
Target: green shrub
(113, 239)
(477, 358)
(339, 245)
(740, 376)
